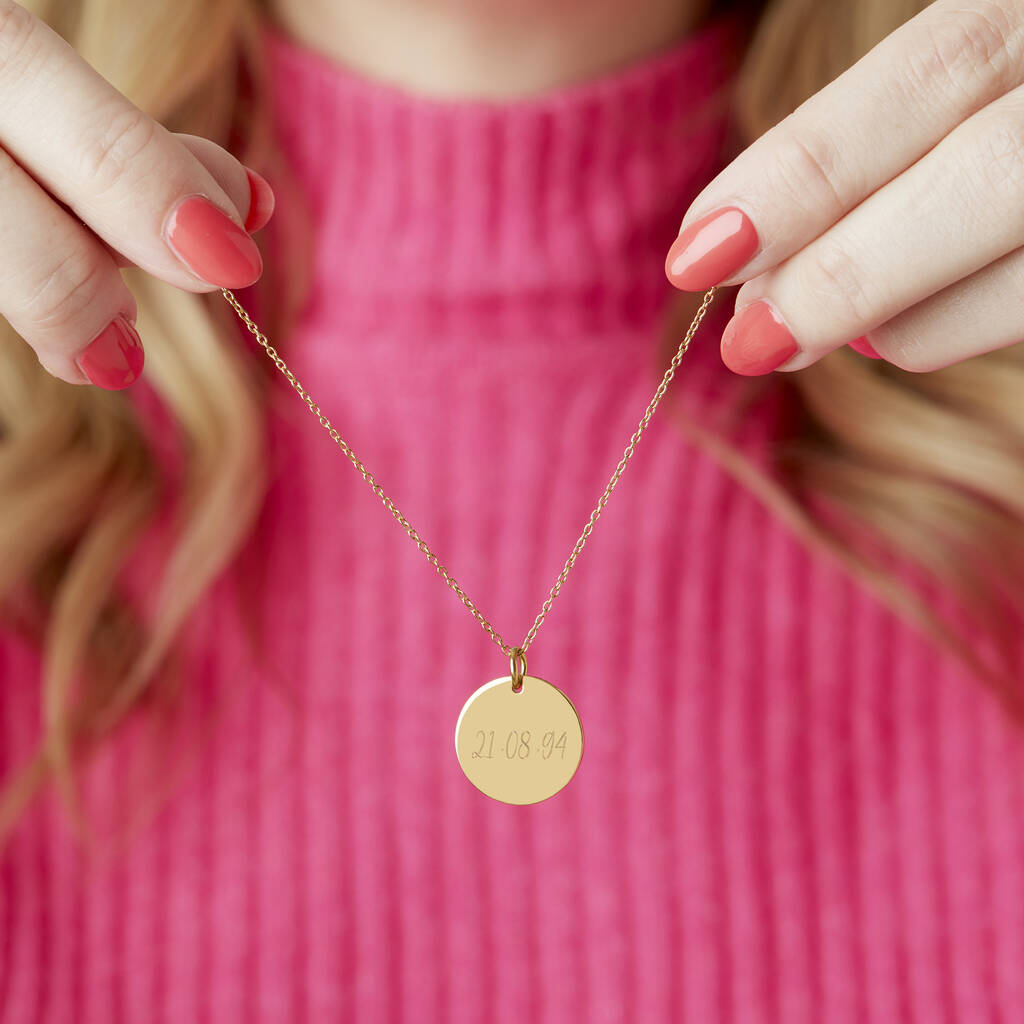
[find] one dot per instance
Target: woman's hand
(88, 184)
(888, 205)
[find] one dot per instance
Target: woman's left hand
(889, 205)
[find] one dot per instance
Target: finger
(60, 290)
(130, 180)
(859, 132)
(956, 210)
(965, 319)
(119, 259)
(249, 191)
(959, 208)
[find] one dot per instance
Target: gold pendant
(519, 739)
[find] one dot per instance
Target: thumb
(252, 196)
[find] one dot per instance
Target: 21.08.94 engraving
(517, 745)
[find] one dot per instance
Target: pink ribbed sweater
(790, 808)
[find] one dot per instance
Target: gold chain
(411, 530)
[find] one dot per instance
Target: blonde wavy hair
(934, 473)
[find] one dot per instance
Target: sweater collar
(559, 206)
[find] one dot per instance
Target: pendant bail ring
(517, 667)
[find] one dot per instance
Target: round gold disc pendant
(522, 746)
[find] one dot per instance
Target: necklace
(518, 738)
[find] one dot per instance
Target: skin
(495, 49)
(889, 205)
(68, 137)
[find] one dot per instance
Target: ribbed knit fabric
(790, 809)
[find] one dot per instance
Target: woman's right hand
(88, 184)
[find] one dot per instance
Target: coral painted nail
(712, 249)
(261, 201)
(114, 358)
(864, 347)
(212, 245)
(756, 340)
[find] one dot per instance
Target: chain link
(413, 533)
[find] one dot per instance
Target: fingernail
(212, 245)
(756, 341)
(864, 347)
(261, 201)
(711, 249)
(114, 358)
